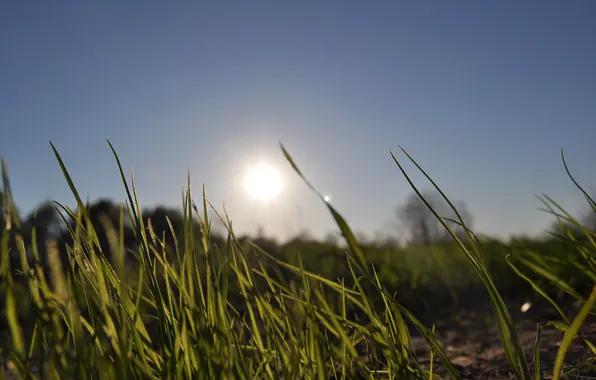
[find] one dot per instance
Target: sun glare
(263, 182)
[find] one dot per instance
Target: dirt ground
(472, 342)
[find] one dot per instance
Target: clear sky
(482, 93)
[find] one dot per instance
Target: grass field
(200, 307)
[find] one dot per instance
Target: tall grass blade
(572, 332)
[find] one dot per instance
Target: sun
(263, 182)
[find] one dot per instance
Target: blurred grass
(242, 309)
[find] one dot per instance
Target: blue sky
(482, 94)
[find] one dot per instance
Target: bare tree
(422, 227)
(589, 217)
(562, 225)
(590, 221)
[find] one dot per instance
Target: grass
(216, 311)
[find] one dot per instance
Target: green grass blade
(572, 332)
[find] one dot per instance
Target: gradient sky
(482, 93)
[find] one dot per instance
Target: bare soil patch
(473, 344)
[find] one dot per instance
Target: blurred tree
(422, 227)
(48, 225)
(562, 227)
(362, 238)
(10, 224)
(386, 240)
(589, 220)
(332, 238)
(104, 215)
(159, 217)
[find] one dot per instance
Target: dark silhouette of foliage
(47, 224)
(104, 216)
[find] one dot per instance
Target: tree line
(415, 223)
